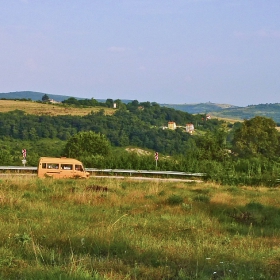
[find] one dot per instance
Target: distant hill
(200, 108)
(270, 110)
(265, 110)
(33, 95)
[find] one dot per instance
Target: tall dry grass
(35, 108)
(124, 229)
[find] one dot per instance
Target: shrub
(175, 199)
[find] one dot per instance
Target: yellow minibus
(61, 168)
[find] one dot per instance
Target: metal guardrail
(18, 168)
(113, 171)
(152, 172)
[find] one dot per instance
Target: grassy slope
(244, 113)
(201, 108)
(65, 229)
(35, 108)
(264, 110)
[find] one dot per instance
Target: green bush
(175, 199)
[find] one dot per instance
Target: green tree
(33, 134)
(212, 145)
(45, 98)
(71, 101)
(87, 143)
(5, 157)
(257, 136)
(120, 104)
(109, 103)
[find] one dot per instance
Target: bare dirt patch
(138, 151)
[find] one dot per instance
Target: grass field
(35, 108)
(229, 120)
(123, 229)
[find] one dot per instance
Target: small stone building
(172, 125)
(189, 128)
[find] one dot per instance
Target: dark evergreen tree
(45, 98)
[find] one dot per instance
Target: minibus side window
(44, 165)
(52, 165)
(79, 167)
(67, 166)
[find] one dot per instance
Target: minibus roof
(59, 160)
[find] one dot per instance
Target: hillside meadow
(107, 228)
(36, 108)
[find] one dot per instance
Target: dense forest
(140, 124)
(243, 152)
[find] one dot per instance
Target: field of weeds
(124, 229)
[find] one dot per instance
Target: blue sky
(165, 51)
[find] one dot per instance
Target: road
(116, 177)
